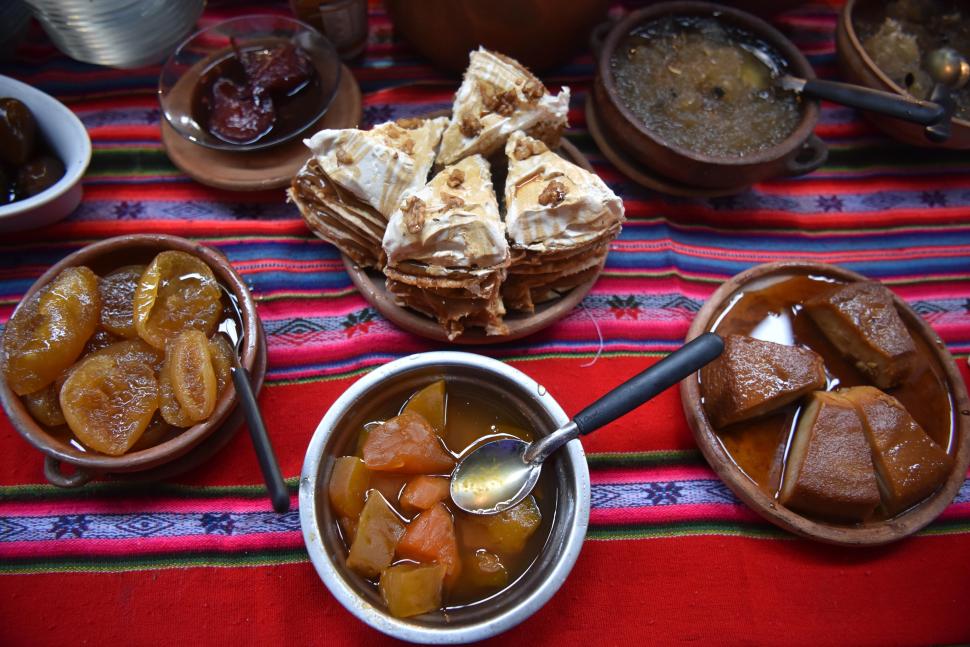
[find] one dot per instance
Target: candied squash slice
(422, 492)
(117, 290)
(378, 531)
(505, 533)
(485, 570)
(406, 444)
(223, 358)
(429, 402)
(44, 406)
(412, 589)
(388, 484)
(48, 331)
(108, 403)
(190, 369)
(430, 537)
(177, 291)
(349, 482)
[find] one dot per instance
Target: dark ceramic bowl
(102, 257)
(858, 68)
(800, 152)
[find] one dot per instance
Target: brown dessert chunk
(910, 466)
(754, 377)
(829, 471)
(861, 321)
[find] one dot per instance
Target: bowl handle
(810, 156)
(54, 475)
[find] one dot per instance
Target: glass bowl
(181, 74)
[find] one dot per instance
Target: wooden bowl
(869, 533)
(537, 33)
(102, 257)
(858, 68)
(801, 152)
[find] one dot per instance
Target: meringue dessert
(497, 97)
(560, 220)
(356, 179)
(446, 250)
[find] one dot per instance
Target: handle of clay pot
(811, 155)
(598, 36)
(54, 475)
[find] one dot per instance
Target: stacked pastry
(560, 220)
(356, 179)
(497, 97)
(446, 250)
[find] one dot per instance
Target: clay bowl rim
(869, 534)
(792, 55)
(172, 449)
(845, 19)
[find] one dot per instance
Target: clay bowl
(391, 383)
(102, 257)
(538, 33)
(858, 68)
(712, 317)
(801, 152)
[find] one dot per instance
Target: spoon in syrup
(232, 328)
(501, 473)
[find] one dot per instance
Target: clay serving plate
(858, 68)
(371, 285)
(801, 152)
(724, 313)
(102, 257)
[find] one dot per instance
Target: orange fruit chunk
(108, 402)
(430, 537)
(176, 291)
(378, 531)
(406, 444)
(117, 290)
(411, 589)
(505, 533)
(349, 481)
(47, 332)
(429, 402)
(422, 492)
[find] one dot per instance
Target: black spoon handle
(264, 450)
(887, 103)
(659, 377)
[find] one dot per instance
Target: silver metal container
(394, 382)
(119, 33)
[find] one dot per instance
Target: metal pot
(392, 383)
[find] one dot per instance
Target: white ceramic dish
(69, 139)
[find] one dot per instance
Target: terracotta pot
(538, 33)
(801, 152)
(858, 68)
(102, 257)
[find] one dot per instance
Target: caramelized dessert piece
(754, 377)
(117, 300)
(430, 403)
(378, 531)
(829, 470)
(860, 320)
(406, 444)
(412, 589)
(44, 406)
(348, 485)
(422, 492)
(909, 465)
(48, 332)
(190, 369)
(276, 69)
(504, 533)
(239, 114)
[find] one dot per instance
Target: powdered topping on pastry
(453, 221)
(380, 165)
(497, 97)
(551, 203)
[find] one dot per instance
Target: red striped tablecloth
(671, 555)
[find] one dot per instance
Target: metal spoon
(951, 72)
(232, 328)
(501, 473)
